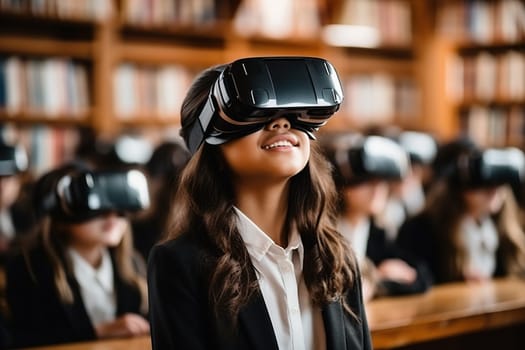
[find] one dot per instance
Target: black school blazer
(38, 317)
(379, 248)
(181, 318)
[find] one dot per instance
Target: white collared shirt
(96, 287)
(481, 242)
(356, 235)
(297, 324)
(7, 228)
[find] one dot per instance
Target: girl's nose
(279, 123)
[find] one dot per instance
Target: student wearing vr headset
(253, 259)
(163, 169)
(77, 280)
(469, 229)
(408, 196)
(14, 221)
(364, 166)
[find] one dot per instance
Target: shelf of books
(486, 69)
(371, 43)
(120, 65)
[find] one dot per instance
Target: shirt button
(294, 310)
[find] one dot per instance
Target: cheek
(496, 202)
(378, 200)
(358, 199)
(105, 232)
(112, 231)
(239, 152)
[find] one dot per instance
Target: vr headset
(421, 147)
(374, 157)
(88, 194)
(491, 167)
(13, 160)
(251, 92)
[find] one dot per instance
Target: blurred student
(254, 260)
(363, 169)
(408, 196)
(76, 281)
(470, 230)
(15, 217)
(163, 170)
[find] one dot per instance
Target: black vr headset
(13, 160)
(251, 92)
(373, 157)
(421, 147)
(85, 195)
(491, 167)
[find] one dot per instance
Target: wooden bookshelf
(481, 46)
(150, 40)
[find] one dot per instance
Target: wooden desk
(444, 312)
(137, 343)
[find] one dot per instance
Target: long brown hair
(203, 207)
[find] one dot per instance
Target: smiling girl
(253, 259)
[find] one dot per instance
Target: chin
(113, 239)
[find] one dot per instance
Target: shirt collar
(259, 243)
(85, 273)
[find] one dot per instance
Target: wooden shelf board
(352, 64)
(214, 31)
(472, 47)
(49, 20)
(300, 42)
(169, 54)
(152, 120)
(36, 118)
(14, 45)
(501, 102)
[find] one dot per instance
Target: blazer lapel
(255, 321)
(76, 313)
(333, 317)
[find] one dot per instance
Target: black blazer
(38, 316)
(379, 248)
(181, 318)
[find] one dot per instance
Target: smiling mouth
(278, 144)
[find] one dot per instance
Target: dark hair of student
(204, 206)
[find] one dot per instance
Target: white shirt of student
(356, 235)
(297, 324)
(96, 287)
(481, 242)
(7, 228)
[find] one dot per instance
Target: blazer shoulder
(31, 263)
(184, 247)
(184, 253)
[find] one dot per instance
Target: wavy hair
(203, 207)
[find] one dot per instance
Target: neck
(266, 205)
(92, 254)
(355, 217)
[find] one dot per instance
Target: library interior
(103, 81)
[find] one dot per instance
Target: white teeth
(283, 143)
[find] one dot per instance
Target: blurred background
(77, 75)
